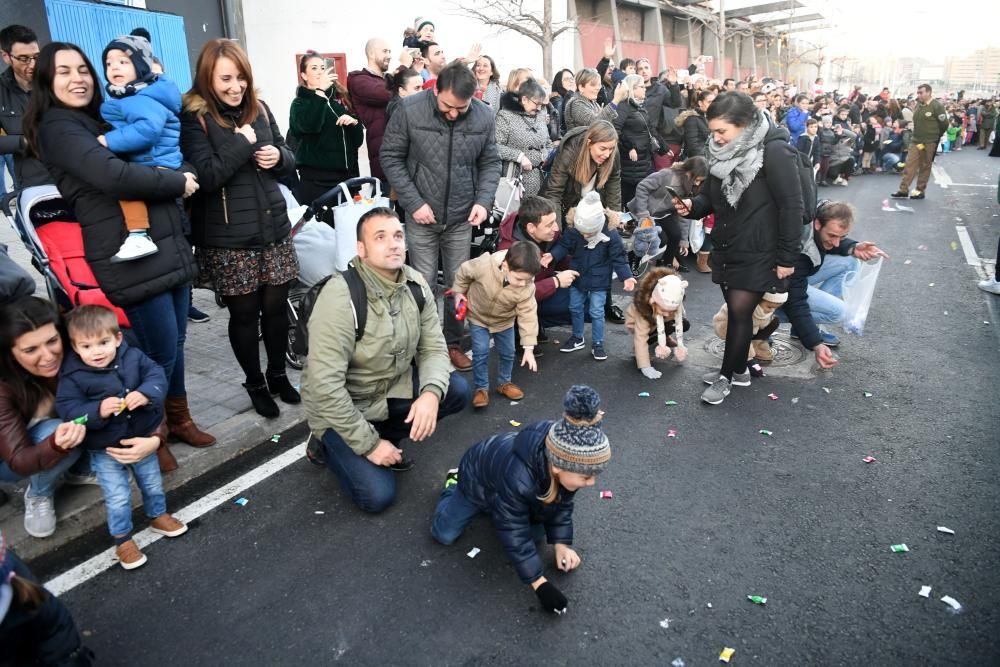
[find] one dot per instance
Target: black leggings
(740, 329)
(265, 307)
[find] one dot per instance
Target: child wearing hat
(765, 323)
(526, 480)
(143, 109)
(656, 315)
(595, 248)
(420, 34)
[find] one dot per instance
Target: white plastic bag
(859, 288)
(696, 237)
(345, 220)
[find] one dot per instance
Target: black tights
(739, 330)
(266, 306)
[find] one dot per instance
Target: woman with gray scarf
(753, 189)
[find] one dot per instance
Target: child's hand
(135, 400)
(566, 559)
(629, 284)
(651, 373)
(110, 407)
(102, 141)
(528, 359)
(662, 351)
(546, 259)
(681, 353)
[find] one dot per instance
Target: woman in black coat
(62, 125)
(694, 125)
(753, 189)
(634, 142)
(239, 218)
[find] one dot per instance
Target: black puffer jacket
(633, 132)
(93, 180)
(28, 171)
(695, 128)
(239, 205)
(450, 166)
(504, 475)
(764, 230)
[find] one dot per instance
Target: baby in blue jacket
(143, 108)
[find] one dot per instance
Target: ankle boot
(703, 266)
(182, 427)
(262, 401)
(279, 384)
(166, 458)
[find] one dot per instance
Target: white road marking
(971, 258)
(106, 559)
(972, 185)
(941, 176)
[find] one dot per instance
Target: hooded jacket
(28, 171)
(594, 265)
(695, 127)
(494, 305)
(634, 132)
(147, 127)
(561, 186)
(504, 475)
(82, 388)
(322, 143)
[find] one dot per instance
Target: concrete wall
(202, 21)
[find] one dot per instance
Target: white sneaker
(39, 515)
(135, 246)
(991, 285)
(840, 180)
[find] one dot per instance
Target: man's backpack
(807, 180)
(359, 307)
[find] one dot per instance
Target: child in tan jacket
(764, 324)
(656, 315)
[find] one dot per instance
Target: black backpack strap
(359, 299)
(418, 294)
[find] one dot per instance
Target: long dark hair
(735, 108)
(44, 98)
(23, 316)
(557, 84)
(343, 95)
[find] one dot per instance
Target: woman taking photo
(62, 124)
(240, 224)
(33, 441)
(328, 135)
(522, 134)
(694, 125)
(488, 82)
(753, 189)
(583, 109)
(634, 137)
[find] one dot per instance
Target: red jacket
(544, 285)
(370, 97)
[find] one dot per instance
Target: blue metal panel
(91, 26)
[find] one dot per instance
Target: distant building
(980, 71)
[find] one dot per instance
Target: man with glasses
(19, 48)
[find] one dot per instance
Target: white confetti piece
(952, 602)
(925, 591)
(946, 531)
(319, 512)
(665, 624)
(473, 553)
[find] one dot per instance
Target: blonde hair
(600, 131)
(585, 76)
(631, 81)
(517, 77)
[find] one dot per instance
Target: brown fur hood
(683, 116)
(614, 218)
(195, 103)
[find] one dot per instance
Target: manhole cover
(786, 352)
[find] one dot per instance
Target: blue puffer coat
(504, 475)
(147, 125)
(82, 388)
(595, 266)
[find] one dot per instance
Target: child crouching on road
(526, 480)
(654, 316)
(498, 288)
(119, 392)
(765, 323)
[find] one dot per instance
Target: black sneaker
(542, 336)
(614, 314)
(918, 195)
(572, 344)
(598, 352)
(899, 194)
(405, 463)
(197, 316)
(633, 263)
(315, 452)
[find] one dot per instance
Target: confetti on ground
(930, 284)
(869, 459)
(675, 402)
(925, 592)
(514, 423)
(677, 663)
(726, 654)
(946, 531)
(473, 553)
(756, 599)
(826, 389)
(954, 246)
(908, 209)
(795, 400)
(908, 262)
(665, 624)
(275, 438)
(888, 209)
(946, 312)
(607, 494)
(952, 602)
(643, 394)
(515, 402)
(709, 605)
(958, 219)
(899, 548)
(773, 397)
(764, 431)
(319, 512)
(241, 501)
(671, 433)
(867, 394)
(425, 563)
(921, 247)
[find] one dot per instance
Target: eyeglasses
(24, 60)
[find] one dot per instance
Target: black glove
(551, 598)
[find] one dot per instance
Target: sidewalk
(219, 405)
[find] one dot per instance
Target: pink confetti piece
(869, 459)
(671, 433)
(773, 397)
(607, 494)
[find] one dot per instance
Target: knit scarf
(736, 164)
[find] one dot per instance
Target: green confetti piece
(82, 419)
(899, 548)
(670, 402)
(764, 431)
(867, 394)
(643, 394)
(276, 437)
(756, 599)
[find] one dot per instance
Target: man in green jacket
(363, 397)
(987, 123)
(930, 121)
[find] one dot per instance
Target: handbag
(654, 143)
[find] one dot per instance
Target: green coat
(322, 144)
(346, 384)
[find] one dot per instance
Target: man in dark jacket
(816, 286)
(19, 49)
(370, 96)
(439, 153)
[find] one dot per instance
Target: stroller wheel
(218, 301)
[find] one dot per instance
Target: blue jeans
(481, 355)
(160, 325)
(8, 162)
(826, 288)
(373, 488)
(454, 512)
(890, 160)
(43, 484)
(114, 480)
(594, 301)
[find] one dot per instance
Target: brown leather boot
(182, 427)
(166, 458)
(703, 266)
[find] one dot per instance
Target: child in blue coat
(595, 249)
(143, 109)
(526, 480)
(118, 393)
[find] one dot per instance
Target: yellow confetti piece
(514, 423)
(726, 654)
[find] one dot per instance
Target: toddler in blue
(143, 109)
(118, 391)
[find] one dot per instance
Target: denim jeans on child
(579, 301)
(44, 483)
(504, 342)
(114, 480)
(454, 512)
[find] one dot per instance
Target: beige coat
(491, 304)
(758, 348)
(642, 329)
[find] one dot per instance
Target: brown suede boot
(703, 266)
(166, 458)
(182, 427)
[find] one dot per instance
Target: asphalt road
(695, 525)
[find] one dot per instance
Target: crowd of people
(603, 158)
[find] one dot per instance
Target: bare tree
(513, 15)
